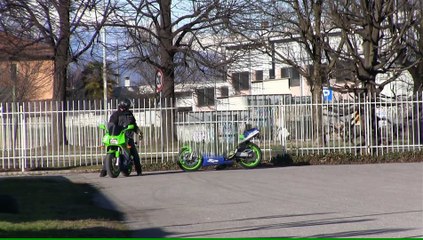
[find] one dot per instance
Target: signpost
(159, 81)
(327, 94)
(159, 88)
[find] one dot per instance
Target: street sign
(327, 94)
(159, 81)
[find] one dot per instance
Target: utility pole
(104, 63)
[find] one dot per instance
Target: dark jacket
(121, 119)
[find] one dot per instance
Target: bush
(346, 158)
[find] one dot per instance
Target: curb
(44, 172)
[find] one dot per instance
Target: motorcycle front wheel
(189, 161)
(127, 169)
(111, 165)
(255, 158)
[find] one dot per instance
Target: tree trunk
(373, 137)
(318, 75)
(319, 137)
(167, 54)
(316, 83)
(60, 70)
(417, 74)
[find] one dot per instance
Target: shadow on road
(230, 230)
(53, 206)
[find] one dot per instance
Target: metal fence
(60, 135)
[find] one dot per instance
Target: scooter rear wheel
(254, 160)
(111, 165)
(189, 161)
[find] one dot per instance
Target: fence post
(367, 130)
(23, 137)
(282, 133)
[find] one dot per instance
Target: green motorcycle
(118, 157)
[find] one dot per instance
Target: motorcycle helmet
(124, 104)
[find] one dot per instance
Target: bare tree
(296, 34)
(412, 56)
(206, 72)
(170, 34)
(26, 68)
(176, 36)
(57, 23)
(373, 32)
(32, 81)
(306, 27)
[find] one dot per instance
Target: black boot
(103, 173)
(138, 168)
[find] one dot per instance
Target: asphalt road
(383, 200)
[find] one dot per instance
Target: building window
(259, 75)
(285, 72)
(241, 81)
(293, 74)
(224, 92)
(205, 97)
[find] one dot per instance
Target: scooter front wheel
(255, 158)
(189, 161)
(111, 165)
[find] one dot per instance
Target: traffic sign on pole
(159, 81)
(327, 94)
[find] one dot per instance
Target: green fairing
(120, 139)
(115, 149)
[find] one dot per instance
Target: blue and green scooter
(246, 154)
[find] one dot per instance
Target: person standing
(121, 118)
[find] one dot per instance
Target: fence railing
(57, 135)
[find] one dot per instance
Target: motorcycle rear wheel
(189, 161)
(254, 160)
(111, 165)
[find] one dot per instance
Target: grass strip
(40, 206)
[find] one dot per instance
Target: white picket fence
(30, 132)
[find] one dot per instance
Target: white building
(257, 73)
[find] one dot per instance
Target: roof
(15, 48)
